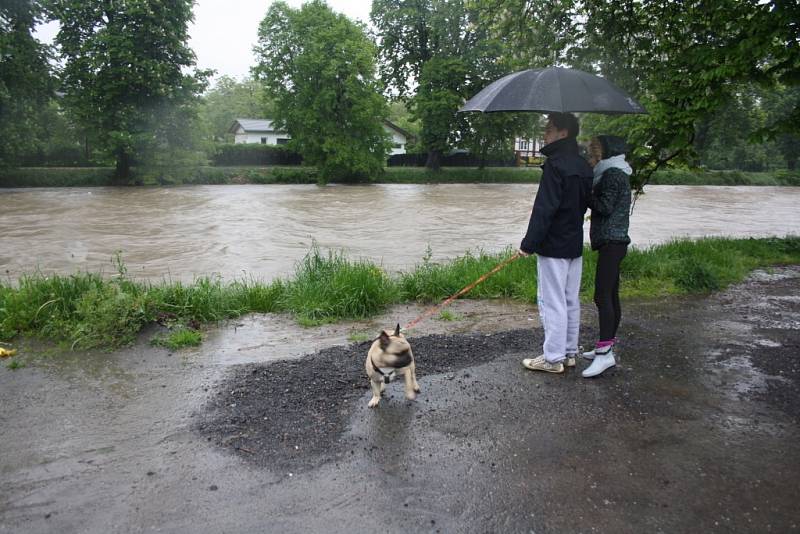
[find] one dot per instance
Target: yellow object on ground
(6, 353)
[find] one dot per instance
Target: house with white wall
(527, 147)
(528, 151)
(262, 131)
(257, 131)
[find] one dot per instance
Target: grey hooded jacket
(611, 199)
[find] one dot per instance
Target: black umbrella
(554, 89)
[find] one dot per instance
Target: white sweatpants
(558, 286)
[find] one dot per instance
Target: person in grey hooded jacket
(610, 203)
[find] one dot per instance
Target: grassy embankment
(90, 177)
(87, 310)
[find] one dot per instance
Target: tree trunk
(434, 162)
(484, 151)
(123, 170)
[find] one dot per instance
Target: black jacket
(556, 226)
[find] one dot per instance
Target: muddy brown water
(262, 231)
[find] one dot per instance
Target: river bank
(265, 427)
(203, 175)
(88, 310)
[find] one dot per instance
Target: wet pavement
(266, 428)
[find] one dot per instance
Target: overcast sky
(224, 31)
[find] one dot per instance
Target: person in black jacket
(611, 204)
(555, 234)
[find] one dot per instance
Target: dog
(390, 350)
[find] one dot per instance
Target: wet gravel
(290, 414)
(293, 415)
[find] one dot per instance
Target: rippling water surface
(262, 231)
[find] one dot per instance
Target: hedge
(254, 154)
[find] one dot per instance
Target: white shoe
(540, 364)
(600, 363)
(569, 361)
(589, 355)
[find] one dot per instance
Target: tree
(435, 54)
(319, 68)
(124, 75)
(439, 95)
(723, 140)
(229, 100)
(491, 135)
(682, 60)
(25, 81)
(779, 105)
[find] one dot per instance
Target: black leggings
(606, 288)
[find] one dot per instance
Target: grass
(197, 175)
(448, 316)
(358, 337)
(672, 176)
(179, 338)
(86, 310)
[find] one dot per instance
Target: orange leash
(451, 298)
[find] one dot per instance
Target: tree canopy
(319, 68)
(435, 54)
(683, 60)
(124, 73)
(230, 99)
(26, 84)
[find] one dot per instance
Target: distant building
(262, 131)
(528, 151)
(257, 131)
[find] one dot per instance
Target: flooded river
(262, 231)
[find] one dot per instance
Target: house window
(263, 140)
(523, 144)
(282, 141)
(397, 145)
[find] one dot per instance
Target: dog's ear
(397, 330)
(384, 339)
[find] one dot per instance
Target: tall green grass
(87, 310)
(326, 288)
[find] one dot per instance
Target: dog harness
(387, 377)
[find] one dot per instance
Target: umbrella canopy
(554, 89)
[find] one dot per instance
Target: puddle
(259, 338)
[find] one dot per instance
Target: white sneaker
(589, 355)
(600, 363)
(540, 364)
(569, 361)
